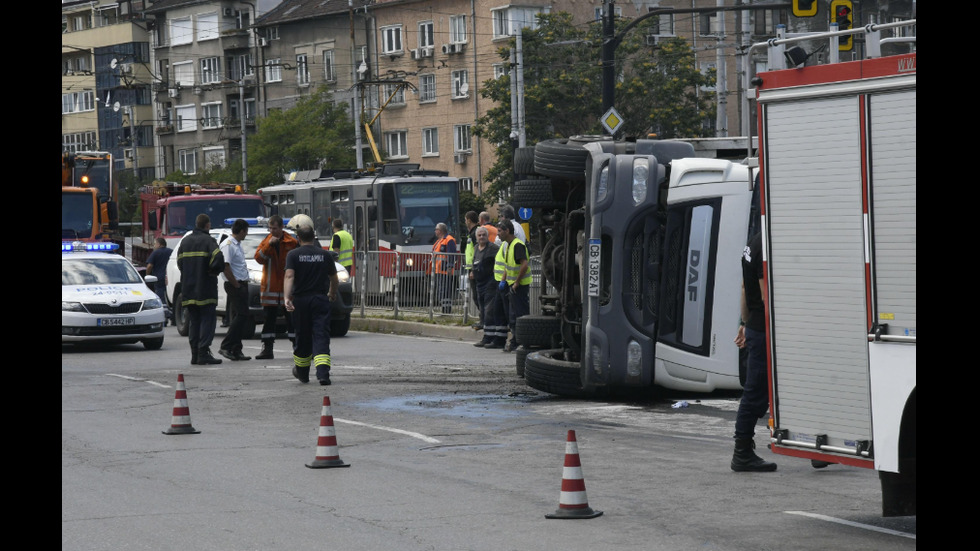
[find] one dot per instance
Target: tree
(659, 89)
(316, 133)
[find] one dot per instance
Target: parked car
(104, 300)
(340, 308)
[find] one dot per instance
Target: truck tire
(524, 161)
(561, 159)
(535, 194)
(180, 316)
(339, 327)
(537, 331)
(544, 372)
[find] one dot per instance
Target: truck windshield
(423, 205)
(77, 215)
(182, 214)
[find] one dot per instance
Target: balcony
(165, 129)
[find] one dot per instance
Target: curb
(399, 327)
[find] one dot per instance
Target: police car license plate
(594, 250)
(114, 322)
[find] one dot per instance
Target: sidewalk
(400, 327)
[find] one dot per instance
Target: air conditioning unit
(173, 92)
(460, 158)
(263, 42)
(229, 12)
(453, 48)
(445, 48)
(653, 39)
(427, 52)
(415, 53)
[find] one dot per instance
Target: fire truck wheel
(543, 371)
(180, 317)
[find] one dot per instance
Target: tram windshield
(420, 206)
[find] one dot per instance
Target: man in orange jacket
(271, 254)
(443, 259)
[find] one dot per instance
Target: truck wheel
(180, 317)
(536, 194)
(339, 327)
(524, 161)
(561, 159)
(544, 372)
(536, 331)
(153, 344)
(521, 355)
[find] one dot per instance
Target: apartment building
(106, 76)
(205, 87)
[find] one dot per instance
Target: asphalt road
(448, 450)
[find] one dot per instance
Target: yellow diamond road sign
(612, 120)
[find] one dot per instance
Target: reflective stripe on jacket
(200, 261)
(513, 267)
(442, 263)
(273, 261)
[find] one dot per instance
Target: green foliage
(658, 90)
(316, 133)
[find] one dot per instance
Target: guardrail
(412, 284)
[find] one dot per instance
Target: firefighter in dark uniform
(311, 284)
(200, 261)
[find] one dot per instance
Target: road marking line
(854, 524)
(422, 437)
(139, 380)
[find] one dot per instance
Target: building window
(706, 68)
(82, 141)
(214, 157)
(395, 92)
(186, 118)
(396, 144)
(181, 31)
(329, 69)
(427, 88)
(81, 21)
(466, 184)
(710, 24)
(240, 66)
(391, 39)
(184, 73)
(506, 21)
(273, 70)
(461, 138)
(76, 102)
(461, 87)
(272, 33)
(187, 158)
(500, 69)
(426, 40)
(211, 115)
(617, 12)
(766, 21)
(207, 27)
(302, 70)
(430, 142)
(210, 70)
(234, 111)
(663, 24)
(457, 29)
(107, 16)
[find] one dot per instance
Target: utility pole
(357, 100)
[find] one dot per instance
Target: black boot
(204, 357)
(266, 353)
(745, 459)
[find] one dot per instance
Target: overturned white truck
(641, 259)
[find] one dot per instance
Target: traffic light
(804, 8)
(841, 12)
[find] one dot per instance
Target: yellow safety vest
(513, 268)
(500, 263)
(346, 251)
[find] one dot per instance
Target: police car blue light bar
(257, 221)
(79, 246)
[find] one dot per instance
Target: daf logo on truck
(692, 277)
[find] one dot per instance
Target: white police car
(104, 299)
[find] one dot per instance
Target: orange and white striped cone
(326, 443)
(181, 420)
(573, 503)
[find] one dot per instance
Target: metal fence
(409, 284)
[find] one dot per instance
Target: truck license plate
(594, 251)
(113, 322)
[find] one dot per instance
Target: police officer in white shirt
(236, 286)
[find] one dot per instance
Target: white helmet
(296, 221)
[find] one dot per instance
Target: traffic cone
(326, 442)
(572, 503)
(181, 422)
